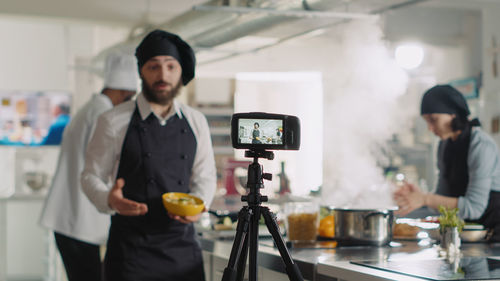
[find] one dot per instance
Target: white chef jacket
(105, 147)
(66, 209)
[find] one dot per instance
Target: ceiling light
(409, 56)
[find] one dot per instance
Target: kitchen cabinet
(219, 121)
(27, 251)
(219, 263)
(25, 247)
(268, 274)
(215, 265)
(207, 265)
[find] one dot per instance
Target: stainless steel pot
(363, 226)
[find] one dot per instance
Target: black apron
(255, 135)
(155, 159)
(454, 166)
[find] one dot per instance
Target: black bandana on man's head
(162, 43)
(444, 99)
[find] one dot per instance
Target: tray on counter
(230, 233)
(408, 229)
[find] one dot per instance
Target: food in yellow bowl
(182, 204)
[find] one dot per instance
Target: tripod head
(259, 153)
(255, 179)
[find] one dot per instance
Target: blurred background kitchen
(353, 71)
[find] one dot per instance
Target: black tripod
(247, 230)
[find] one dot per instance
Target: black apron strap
(454, 164)
(491, 217)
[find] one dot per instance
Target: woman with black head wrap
(468, 162)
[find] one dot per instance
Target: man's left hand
(187, 219)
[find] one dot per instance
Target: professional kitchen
(296, 140)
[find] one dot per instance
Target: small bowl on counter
(36, 180)
(473, 233)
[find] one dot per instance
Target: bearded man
(150, 146)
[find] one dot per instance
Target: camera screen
(260, 131)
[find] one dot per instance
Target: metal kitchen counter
(339, 265)
(334, 262)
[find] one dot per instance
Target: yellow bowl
(171, 203)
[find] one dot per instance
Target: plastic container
(302, 219)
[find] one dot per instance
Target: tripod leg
(242, 262)
(291, 268)
(254, 244)
(239, 244)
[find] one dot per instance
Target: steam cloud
(363, 110)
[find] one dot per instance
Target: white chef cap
(120, 72)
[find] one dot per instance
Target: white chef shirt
(66, 209)
(104, 151)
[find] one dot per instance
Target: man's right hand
(124, 206)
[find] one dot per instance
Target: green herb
(449, 218)
(324, 211)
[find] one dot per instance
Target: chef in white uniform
(79, 229)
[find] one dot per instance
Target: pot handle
(383, 213)
(232, 215)
(213, 213)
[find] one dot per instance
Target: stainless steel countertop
(338, 265)
(308, 259)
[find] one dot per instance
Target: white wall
(293, 93)
(40, 54)
(439, 26)
(490, 94)
(33, 55)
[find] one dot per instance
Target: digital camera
(261, 131)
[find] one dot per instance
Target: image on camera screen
(260, 131)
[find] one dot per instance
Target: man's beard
(162, 97)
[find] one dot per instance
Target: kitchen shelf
(216, 111)
(223, 150)
(25, 197)
(219, 122)
(417, 160)
(419, 148)
(220, 130)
